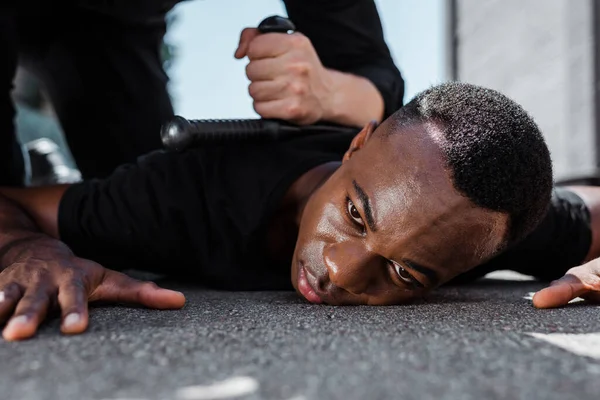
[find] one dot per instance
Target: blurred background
(545, 55)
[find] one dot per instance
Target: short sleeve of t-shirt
(202, 213)
(561, 241)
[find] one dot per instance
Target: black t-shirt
(203, 214)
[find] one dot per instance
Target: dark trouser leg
(107, 86)
(11, 157)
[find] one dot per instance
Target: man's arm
(564, 248)
(37, 271)
(41, 204)
(583, 280)
(336, 68)
(348, 37)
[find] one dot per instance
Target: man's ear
(360, 139)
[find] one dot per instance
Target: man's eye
(403, 274)
(353, 212)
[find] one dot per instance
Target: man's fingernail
(16, 321)
(71, 319)
(2, 296)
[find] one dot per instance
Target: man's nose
(351, 266)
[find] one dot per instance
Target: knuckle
(11, 290)
(38, 277)
(149, 285)
(249, 70)
(295, 110)
(253, 47)
(300, 68)
(298, 40)
(297, 88)
(18, 269)
(69, 274)
(593, 282)
(75, 284)
(259, 108)
(252, 90)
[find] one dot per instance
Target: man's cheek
(328, 225)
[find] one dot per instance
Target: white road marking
(233, 387)
(506, 275)
(585, 344)
(529, 296)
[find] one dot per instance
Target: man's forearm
(355, 100)
(27, 214)
(15, 227)
(40, 204)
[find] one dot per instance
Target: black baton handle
(180, 133)
(276, 24)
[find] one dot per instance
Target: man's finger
(120, 288)
(288, 109)
(73, 302)
(245, 38)
(267, 90)
(271, 45)
(560, 292)
(265, 70)
(29, 314)
(9, 297)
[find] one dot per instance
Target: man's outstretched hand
(45, 274)
(582, 281)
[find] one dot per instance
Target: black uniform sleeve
(560, 242)
(348, 37)
(11, 157)
(144, 216)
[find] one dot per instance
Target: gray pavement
(464, 342)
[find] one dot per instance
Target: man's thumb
(120, 288)
(559, 293)
(245, 38)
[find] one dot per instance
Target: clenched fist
(287, 78)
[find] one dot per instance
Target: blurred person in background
(47, 158)
(100, 64)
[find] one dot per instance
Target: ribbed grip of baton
(219, 130)
(180, 133)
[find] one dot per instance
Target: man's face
(388, 225)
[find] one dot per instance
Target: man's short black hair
(494, 150)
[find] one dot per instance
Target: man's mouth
(305, 288)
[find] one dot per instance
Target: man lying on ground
(449, 186)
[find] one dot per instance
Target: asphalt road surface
(483, 341)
